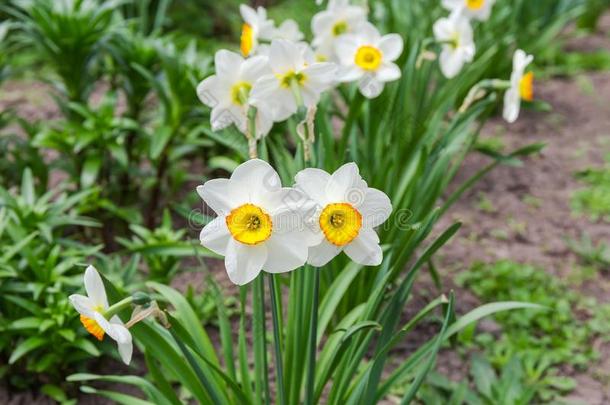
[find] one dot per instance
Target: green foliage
(514, 384)
(556, 335)
(41, 336)
(593, 254)
(593, 200)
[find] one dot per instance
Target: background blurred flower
(476, 9)
(228, 92)
(339, 18)
(260, 225)
(296, 79)
(521, 86)
(256, 26)
(91, 309)
(367, 57)
(348, 212)
(455, 33)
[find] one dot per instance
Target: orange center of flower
(247, 39)
(92, 327)
(526, 87)
(368, 57)
(249, 224)
(341, 223)
(474, 4)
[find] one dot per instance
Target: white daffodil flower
(260, 225)
(521, 86)
(91, 309)
(295, 79)
(228, 92)
(256, 27)
(474, 9)
(455, 33)
(339, 18)
(368, 57)
(348, 211)
(289, 29)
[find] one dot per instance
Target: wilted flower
(455, 33)
(339, 18)
(521, 86)
(368, 57)
(260, 225)
(256, 27)
(92, 310)
(348, 210)
(228, 92)
(296, 79)
(476, 9)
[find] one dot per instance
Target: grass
(593, 200)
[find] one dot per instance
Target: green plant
(41, 340)
(597, 255)
(593, 200)
(548, 338)
(69, 35)
(511, 386)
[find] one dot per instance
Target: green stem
(313, 331)
(251, 133)
(260, 341)
(281, 390)
(118, 307)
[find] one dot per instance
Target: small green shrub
(593, 200)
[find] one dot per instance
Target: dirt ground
(577, 133)
(530, 217)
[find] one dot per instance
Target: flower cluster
(456, 35)
(264, 226)
(278, 74)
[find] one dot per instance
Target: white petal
(286, 252)
(218, 196)
(346, 185)
(450, 63)
(322, 23)
(453, 4)
(323, 253)
(248, 14)
(223, 117)
(346, 47)
(82, 304)
(124, 340)
(95, 288)
(289, 29)
(388, 72)
(391, 46)
(370, 86)
(284, 55)
(313, 183)
(370, 32)
(210, 92)
(264, 88)
(376, 208)
(365, 248)
(243, 262)
(227, 63)
(253, 179)
(349, 73)
(512, 105)
(254, 68)
(443, 29)
(215, 235)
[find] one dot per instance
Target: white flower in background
(92, 308)
(476, 9)
(294, 74)
(339, 18)
(228, 92)
(368, 57)
(455, 33)
(256, 27)
(289, 29)
(260, 225)
(521, 86)
(348, 210)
